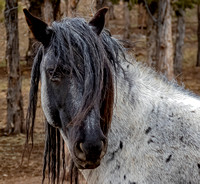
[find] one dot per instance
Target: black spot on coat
(147, 130)
(169, 158)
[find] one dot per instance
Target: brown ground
(11, 147)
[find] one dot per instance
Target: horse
(122, 122)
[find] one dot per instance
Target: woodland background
(135, 23)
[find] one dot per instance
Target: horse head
(76, 84)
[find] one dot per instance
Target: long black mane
(100, 56)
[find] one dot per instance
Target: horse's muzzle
(89, 154)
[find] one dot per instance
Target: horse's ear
(98, 21)
(40, 29)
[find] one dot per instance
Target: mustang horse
(122, 122)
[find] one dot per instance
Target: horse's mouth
(86, 164)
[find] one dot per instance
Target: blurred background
(163, 34)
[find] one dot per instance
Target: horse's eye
(55, 75)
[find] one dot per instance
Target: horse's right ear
(98, 21)
(40, 29)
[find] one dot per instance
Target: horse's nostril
(103, 149)
(79, 151)
(81, 147)
(102, 144)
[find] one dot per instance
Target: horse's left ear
(98, 21)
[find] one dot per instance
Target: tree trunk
(66, 7)
(51, 11)
(35, 9)
(164, 51)
(126, 21)
(15, 116)
(48, 14)
(72, 6)
(151, 33)
(56, 9)
(180, 35)
(63, 8)
(198, 35)
(100, 4)
(141, 17)
(111, 11)
(151, 40)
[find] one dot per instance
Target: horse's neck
(138, 99)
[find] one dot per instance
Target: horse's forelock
(107, 102)
(74, 38)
